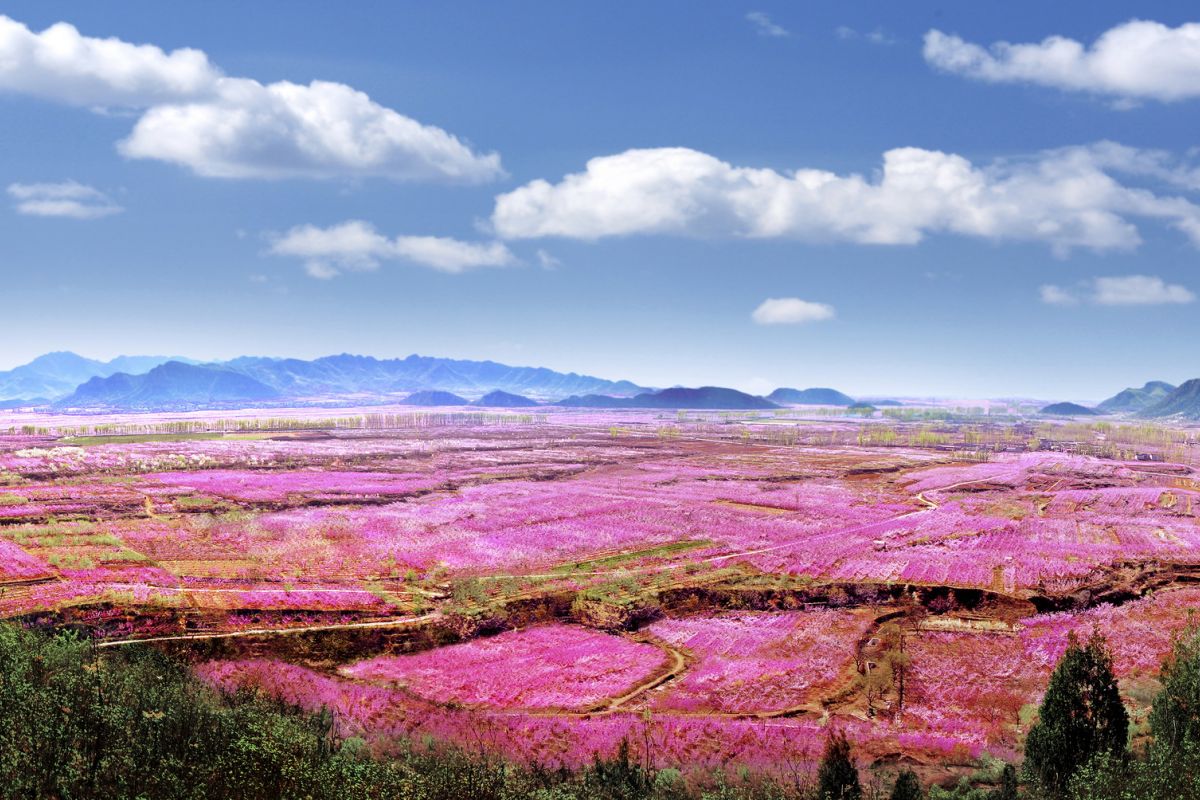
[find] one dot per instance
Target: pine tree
(907, 787)
(1080, 716)
(1175, 718)
(1008, 785)
(837, 778)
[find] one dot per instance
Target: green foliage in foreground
(1081, 717)
(75, 724)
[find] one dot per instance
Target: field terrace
(708, 586)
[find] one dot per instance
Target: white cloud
(1126, 290)
(547, 261)
(66, 199)
(1064, 198)
(791, 311)
(765, 25)
(231, 127)
(356, 246)
(1058, 296)
(1140, 290)
(286, 130)
(1139, 59)
(61, 64)
(874, 36)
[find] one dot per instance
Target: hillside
(173, 385)
(1136, 399)
(1068, 410)
(499, 399)
(810, 397)
(350, 374)
(1184, 402)
(55, 375)
(713, 397)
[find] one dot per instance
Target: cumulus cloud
(230, 127)
(61, 64)
(765, 25)
(356, 246)
(287, 130)
(791, 311)
(1065, 198)
(66, 199)
(1126, 290)
(1139, 59)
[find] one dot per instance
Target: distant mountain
(1068, 410)
(1133, 399)
(322, 380)
(499, 399)
(57, 374)
(710, 397)
(1183, 402)
(433, 397)
(345, 374)
(173, 385)
(810, 397)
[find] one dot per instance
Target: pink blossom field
(547, 585)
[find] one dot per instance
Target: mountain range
(1134, 399)
(156, 382)
(57, 374)
(68, 381)
(1183, 402)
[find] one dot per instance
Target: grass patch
(604, 562)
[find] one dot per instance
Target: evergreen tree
(1175, 717)
(837, 778)
(1080, 716)
(907, 787)
(1008, 784)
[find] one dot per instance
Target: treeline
(368, 421)
(77, 723)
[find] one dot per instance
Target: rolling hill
(810, 397)
(1136, 399)
(499, 399)
(1184, 402)
(705, 397)
(1068, 410)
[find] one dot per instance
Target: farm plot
(545, 667)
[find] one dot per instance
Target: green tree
(1080, 716)
(907, 787)
(1175, 717)
(837, 778)
(1007, 790)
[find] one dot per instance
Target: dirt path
(189, 637)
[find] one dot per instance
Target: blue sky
(1028, 260)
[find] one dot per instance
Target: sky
(921, 199)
